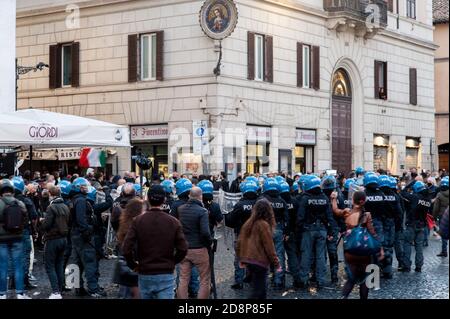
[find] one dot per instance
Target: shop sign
(149, 133)
(305, 137)
(258, 134)
(200, 138)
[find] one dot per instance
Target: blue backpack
(360, 242)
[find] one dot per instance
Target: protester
(153, 246)
(356, 265)
(194, 219)
(56, 228)
(255, 247)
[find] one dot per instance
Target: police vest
(316, 209)
(375, 203)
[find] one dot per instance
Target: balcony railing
(359, 10)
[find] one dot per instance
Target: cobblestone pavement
(432, 283)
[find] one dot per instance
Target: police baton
(211, 251)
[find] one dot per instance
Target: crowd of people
(165, 229)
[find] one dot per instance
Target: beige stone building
(440, 21)
(305, 85)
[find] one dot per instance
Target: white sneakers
(23, 296)
(2, 297)
(55, 296)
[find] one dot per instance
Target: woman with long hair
(355, 266)
(127, 278)
(255, 247)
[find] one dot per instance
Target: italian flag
(91, 157)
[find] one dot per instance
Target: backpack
(13, 219)
(360, 242)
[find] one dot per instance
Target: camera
(142, 161)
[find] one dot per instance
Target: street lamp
(20, 70)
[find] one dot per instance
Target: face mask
(429, 184)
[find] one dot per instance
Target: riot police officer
(214, 213)
(291, 244)
(346, 192)
(329, 185)
(169, 187)
(399, 241)
(393, 213)
(375, 204)
(84, 253)
(281, 232)
(418, 207)
(316, 221)
(183, 187)
(236, 219)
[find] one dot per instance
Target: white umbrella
(38, 128)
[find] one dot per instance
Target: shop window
(380, 152)
(412, 153)
(257, 158)
(304, 159)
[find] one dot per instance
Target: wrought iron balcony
(365, 17)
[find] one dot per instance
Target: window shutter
(390, 5)
(413, 86)
(315, 67)
(385, 75)
(299, 64)
(53, 73)
(132, 58)
(377, 80)
(268, 67)
(76, 64)
(160, 55)
(251, 55)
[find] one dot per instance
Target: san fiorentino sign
(218, 18)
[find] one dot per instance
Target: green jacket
(6, 236)
(440, 204)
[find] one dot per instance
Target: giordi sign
(43, 132)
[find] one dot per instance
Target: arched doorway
(341, 120)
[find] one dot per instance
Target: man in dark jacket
(56, 227)
(439, 207)
(194, 218)
(28, 231)
(128, 192)
(154, 244)
(236, 183)
(11, 242)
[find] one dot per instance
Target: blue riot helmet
(252, 179)
(65, 187)
(92, 194)
(370, 178)
(280, 179)
(284, 188)
(183, 185)
(295, 187)
(6, 186)
(302, 180)
(348, 182)
(384, 181)
(328, 182)
(311, 183)
(419, 187)
(248, 187)
(137, 188)
(206, 186)
(78, 183)
(18, 183)
(444, 182)
(270, 184)
(359, 171)
(168, 186)
(392, 182)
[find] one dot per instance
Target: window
(381, 80)
(304, 159)
(64, 65)
(412, 152)
(380, 152)
(413, 86)
(306, 66)
(259, 57)
(66, 59)
(411, 9)
(145, 56)
(148, 57)
(257, 157)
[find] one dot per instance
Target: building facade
(304, 85)
(441, 34)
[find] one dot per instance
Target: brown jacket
(258, 247)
